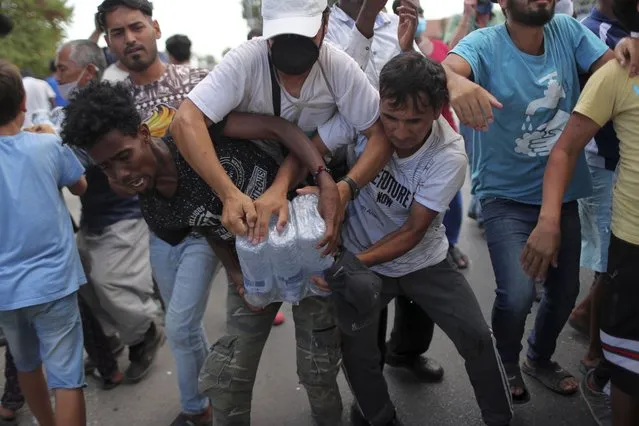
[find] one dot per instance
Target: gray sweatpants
(444, 294)
(120, 284)
(229, 371)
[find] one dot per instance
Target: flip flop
(585, 369)
(515, 379)
(8, 419)
(550, 374)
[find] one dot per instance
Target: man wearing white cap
(289, 72)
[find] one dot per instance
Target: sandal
(6, 418)
(459, 259)
(515, 380)
(550, 374)
(585, 368)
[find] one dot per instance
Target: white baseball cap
(302, 17)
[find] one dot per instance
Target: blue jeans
(184, 276)
(508, 225)
(49, 334)
(453, 220)
(474, 207)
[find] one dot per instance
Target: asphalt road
(280, 401)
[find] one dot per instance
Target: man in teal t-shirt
(531, 65)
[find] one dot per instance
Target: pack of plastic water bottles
(279, 269)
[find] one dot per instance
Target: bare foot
(569, 384)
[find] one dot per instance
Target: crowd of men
(358, 105)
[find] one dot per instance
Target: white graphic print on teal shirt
(540, 140)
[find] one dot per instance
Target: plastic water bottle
(256, 270)
(286, 261)
(311, 229)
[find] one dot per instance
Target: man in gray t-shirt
(395, 228)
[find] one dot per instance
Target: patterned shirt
(158, 102)
(194, 204)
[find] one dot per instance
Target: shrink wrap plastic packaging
(280, 268)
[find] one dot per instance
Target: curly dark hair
(96, 110)
(413, 76)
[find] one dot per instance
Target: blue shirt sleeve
(70, 169)
(588, 47)
(475, 49)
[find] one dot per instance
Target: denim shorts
(49, 334)
(595, 213)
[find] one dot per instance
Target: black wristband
(353, 185)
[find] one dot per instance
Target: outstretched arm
(255, 126)
(472, 103)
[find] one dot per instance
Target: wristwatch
(353, 185)
(319, 170)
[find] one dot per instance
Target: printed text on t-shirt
(392, 190)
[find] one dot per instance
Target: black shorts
(620, 315)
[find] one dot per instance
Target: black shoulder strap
(275, 87)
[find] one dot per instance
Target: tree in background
(252, 12)
(37, 30)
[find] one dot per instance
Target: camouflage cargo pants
(228, 374)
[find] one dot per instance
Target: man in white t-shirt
(395, 228)
(40, 99)
(307, 83)
(315, 80)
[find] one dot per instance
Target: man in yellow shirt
(610, 94)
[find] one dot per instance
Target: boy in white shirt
(395, 227)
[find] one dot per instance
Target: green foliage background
(38, 29)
